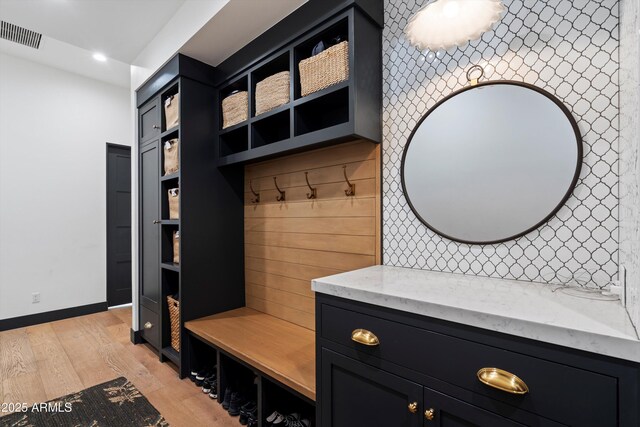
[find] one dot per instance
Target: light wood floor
(50, 360)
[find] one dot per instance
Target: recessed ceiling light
(99, 57)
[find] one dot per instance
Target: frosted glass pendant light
(443, 24)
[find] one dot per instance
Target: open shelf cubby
(167, 185)
(234, 141)
(331, 35)
(237, 85)
(173, 90)
(273, 128)
(281, 62)
(347, 110)
(166, 244)
(322, 112)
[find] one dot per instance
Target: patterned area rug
(116, 403)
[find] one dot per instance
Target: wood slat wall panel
(287, 244)
(335, 190)
(330, 156)
(323, 242)
(330, 174)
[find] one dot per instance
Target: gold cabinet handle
(502, 380)
(430, 414)
(413, 407)
(364, 337)
(148, 325)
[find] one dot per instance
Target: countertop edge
(625, 349)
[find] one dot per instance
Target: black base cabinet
(423, 372)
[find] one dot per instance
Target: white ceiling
(144, 33)
(118, 28)
(235, 25)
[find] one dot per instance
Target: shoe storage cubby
(236, 377)
(347, 110)
(276, 399)
(252, 385)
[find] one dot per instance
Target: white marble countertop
(524, 309)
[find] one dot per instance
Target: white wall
(54, 126)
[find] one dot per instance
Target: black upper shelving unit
(345, 111)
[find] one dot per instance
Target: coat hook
(313, 194)
(351, 191)
(256, 198)
(279, 198)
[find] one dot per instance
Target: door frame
(109, 145)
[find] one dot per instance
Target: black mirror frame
(564, 199)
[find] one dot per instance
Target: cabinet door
(149, 228)
(440, 410)
(149, 123)
(356, 394)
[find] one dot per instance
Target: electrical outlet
(35, 297)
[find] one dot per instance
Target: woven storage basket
(325, 69)
(272, 92)
(235, 109)
(174, 319)
(171, 160)
(172, 111)
(174, 203)
(176, 247)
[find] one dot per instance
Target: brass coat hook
(281, 197)
(256, 198)
(351, 191)
(313, 194)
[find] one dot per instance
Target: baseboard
(136, 337)
(50, 316)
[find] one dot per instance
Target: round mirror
(491, 162)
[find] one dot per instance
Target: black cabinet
(149, 225)
(204, 272)
(564, 386)
(440, 410)
(356, 394)
(149, 121)
(346, 110)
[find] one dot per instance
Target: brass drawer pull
(430, 414)
(413, 407)
(148, 325)
(502, 380)
(364, 337)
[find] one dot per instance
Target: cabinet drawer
(569, 395)
(150, 326)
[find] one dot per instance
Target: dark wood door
(118, 225)
(356, 394)
(446, 411)
(150, 226)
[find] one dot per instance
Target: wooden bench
(281, 350)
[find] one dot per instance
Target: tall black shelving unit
(209, 278)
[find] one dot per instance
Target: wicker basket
(172, 111)
(235, 109)
(176, 247)
(272, 92)
(174, 319)
(174, 203)
(324, 69)
(171, 159)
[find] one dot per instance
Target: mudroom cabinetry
(190, 214)
(408, 348)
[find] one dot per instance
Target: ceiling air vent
(14, 33)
